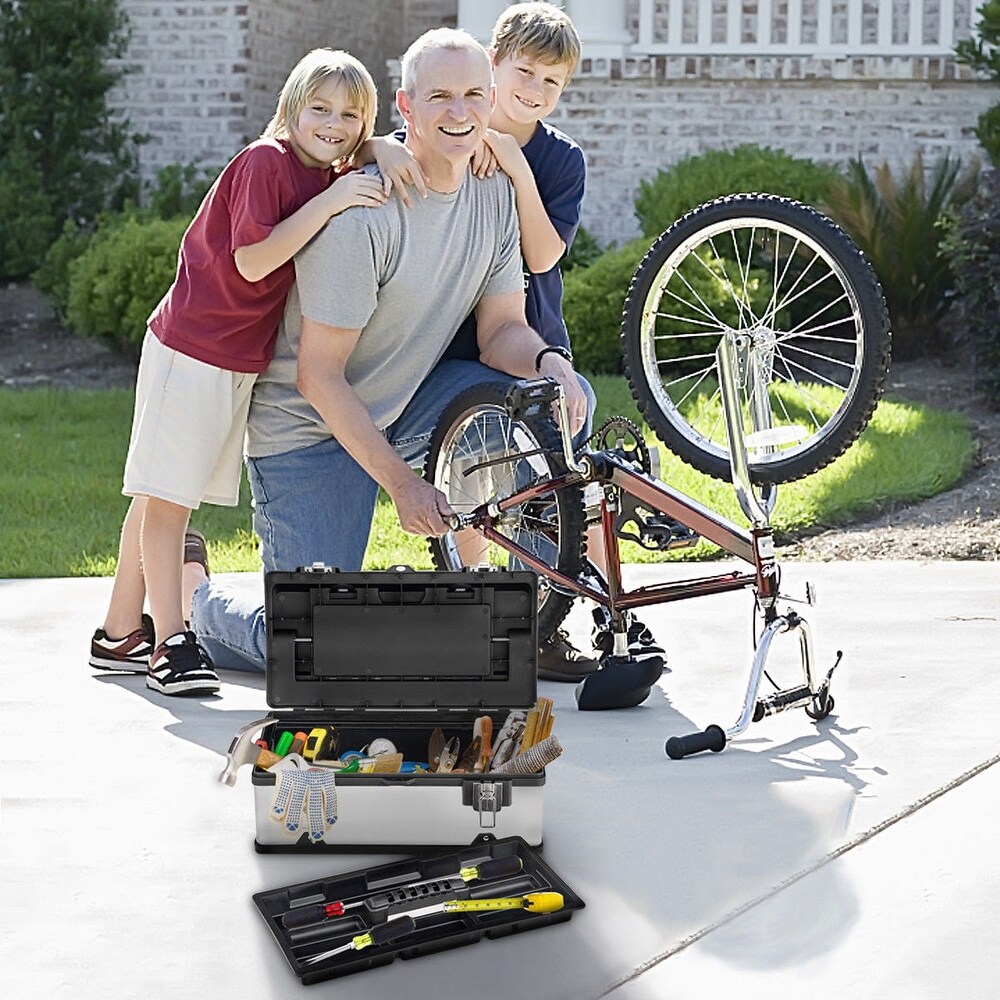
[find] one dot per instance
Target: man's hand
(421, 508)
(557, 367)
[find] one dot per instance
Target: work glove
(301, 790)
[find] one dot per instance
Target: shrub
(117, 281)
(982, 53)
(62, 154)
(972, 244)
(697, 179)
(896, 223)
(585, 250)
(593, 297)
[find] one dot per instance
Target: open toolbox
(394, 656)
(342, 924)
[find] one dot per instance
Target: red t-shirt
(211, 312)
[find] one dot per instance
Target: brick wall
(634, 117)
(206, 73)
(187, 89)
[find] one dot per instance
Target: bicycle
(756, 344)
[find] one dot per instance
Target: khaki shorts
(188, 428)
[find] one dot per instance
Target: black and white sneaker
(128, 655)
(181, 665)
(641, 641)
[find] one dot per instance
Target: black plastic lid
(401, 639)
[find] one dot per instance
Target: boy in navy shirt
(535, 50)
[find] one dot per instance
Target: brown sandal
(196, 549)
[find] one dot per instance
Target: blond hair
(436, 38)
(540, 31)
(310, 73)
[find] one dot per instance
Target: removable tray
(434, 932)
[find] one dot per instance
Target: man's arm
(323, 354)
(507, 343)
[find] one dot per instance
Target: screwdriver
(491, 868)
(382, 934)
(534, 902)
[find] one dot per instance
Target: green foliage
(895, 221)
(972, 244)
(121, 276)
(62, 153)
(177, 193)
(982, 53)
(585, 250)
(593, 297)
(179, 190)
(696, 179)
(62, 517)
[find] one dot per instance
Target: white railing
(818, 28)
(837, 29)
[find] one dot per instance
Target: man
(355, 387)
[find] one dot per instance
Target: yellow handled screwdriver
(382, 934)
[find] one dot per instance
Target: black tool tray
(433, 932)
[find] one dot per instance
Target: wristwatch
(551, 349)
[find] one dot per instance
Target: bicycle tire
(815, 319)
(475, 427)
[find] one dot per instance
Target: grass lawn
(61, 456)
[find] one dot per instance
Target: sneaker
(641, 641)
(559, 660)
(181, 665)
(129, 655)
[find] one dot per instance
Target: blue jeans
(316, 504)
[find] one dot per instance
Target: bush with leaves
(972, 244)
(63, 155)
(982, 53)
(585, 250)
(895, 221)
(117, 281)
(698, 179)
(177, 192)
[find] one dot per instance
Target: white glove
(300, 789)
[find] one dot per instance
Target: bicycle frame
(754, 546)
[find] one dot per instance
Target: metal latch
(487, 798)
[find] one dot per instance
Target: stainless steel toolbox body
(395, 655)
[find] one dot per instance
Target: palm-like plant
(895, 221)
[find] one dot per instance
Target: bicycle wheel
(479, 453)
(813, 326)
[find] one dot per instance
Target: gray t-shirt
(406, 277)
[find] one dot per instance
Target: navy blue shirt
(559, 169)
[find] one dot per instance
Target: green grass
(61, 456)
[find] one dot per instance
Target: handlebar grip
(713, 738)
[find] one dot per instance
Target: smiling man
(357, 382)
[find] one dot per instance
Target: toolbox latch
(487, 798)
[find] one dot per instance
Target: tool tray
(433, 933)
(397, 654)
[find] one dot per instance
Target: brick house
(660, 79)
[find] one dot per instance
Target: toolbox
(394, 655)
(336, 926)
